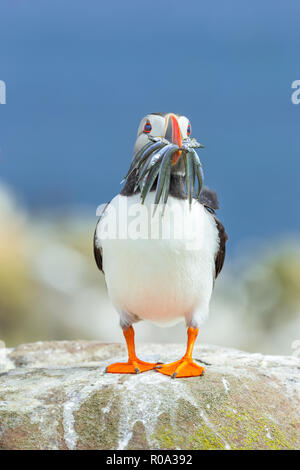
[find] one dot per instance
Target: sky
(80, 75)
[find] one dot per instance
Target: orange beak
(173, 135)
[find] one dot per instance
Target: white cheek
(183, 124)
(140, 142)
(158, 126)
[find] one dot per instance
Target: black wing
(97, 253)
(220, 256)
(97, 249)
(209, 199)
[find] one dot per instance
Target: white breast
(158, 268)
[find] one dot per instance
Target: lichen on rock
(55, 395)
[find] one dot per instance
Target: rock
(55, 395)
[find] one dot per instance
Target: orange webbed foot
(185, 367)
(131, 367)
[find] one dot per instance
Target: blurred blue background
(80, 75)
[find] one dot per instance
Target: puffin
(159, 242)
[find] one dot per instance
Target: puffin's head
(164, 146)
(173, 127)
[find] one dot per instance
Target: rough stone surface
(55, 395)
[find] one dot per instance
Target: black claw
(203, 362)
(137, 370)
(105, 370)
(157, 367)
(159, 363)
(174, 375)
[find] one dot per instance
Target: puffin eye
(188, 131)
(147, 127)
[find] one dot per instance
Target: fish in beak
(158, 150)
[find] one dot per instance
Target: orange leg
(134, 365)
(185, 367)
